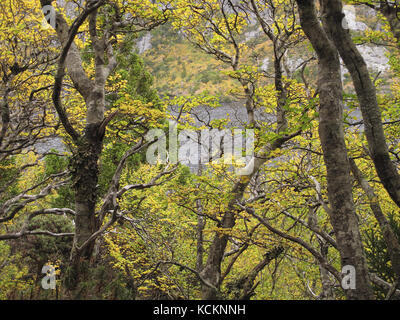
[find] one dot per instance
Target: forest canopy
(199, 149)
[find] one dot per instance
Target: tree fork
(342, 214)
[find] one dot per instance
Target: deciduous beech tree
(280, 224)
(102, 22)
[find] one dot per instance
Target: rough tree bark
(342, 214)
(391, 14)
(366, 92)
(84, 163)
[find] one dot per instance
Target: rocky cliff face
(172, 47)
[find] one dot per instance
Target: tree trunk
(212, 268)
(85, 172)
(327, 287)
(366, 92)
(391, 240)
(342, 213)
(248, 286)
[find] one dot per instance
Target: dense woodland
(317, 217)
